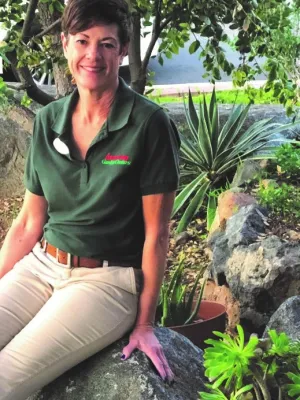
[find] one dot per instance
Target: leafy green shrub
(176, 307)
(210, 152)
(5, 94)
(282, 200)
(265, 369)
(288, 158)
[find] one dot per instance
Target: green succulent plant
(261, 369)
(176, 306)
(210, 152)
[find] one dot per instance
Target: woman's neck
(93, 107)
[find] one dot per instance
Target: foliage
(288, 159)
(5, 94)
(210, 152)
(217, 394)
(264, 368)
(265, 28)
(176, 306)
(26, 101)
(280, 47)
(282, 200)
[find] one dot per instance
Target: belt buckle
(69, 258)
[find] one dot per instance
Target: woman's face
(94, 56)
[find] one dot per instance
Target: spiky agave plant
(210, 152)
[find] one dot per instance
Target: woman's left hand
(144, 339)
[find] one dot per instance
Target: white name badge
(60, 146)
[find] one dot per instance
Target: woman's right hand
(144, 339)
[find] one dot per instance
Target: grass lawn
(256, 96)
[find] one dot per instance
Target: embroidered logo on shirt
(113, 160)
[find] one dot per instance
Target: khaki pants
(52, 317)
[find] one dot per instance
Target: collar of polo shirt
(117, 118)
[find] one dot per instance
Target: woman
(100, 178)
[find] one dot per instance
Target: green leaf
(180, 200)
(246, 23)
(194, 46)
(193, 207)
(198, 303)
(211, 211)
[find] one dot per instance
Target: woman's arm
(157, 210)
(25, 231)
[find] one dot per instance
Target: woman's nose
(94, 53)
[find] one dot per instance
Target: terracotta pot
(214, 319)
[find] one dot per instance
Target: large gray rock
(15, 131)
(261, 272)
(105, 376)
(287, 318)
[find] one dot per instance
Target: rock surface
(229, 203)
(105, 376)
(287, 318)
(15, 131)
(261, 272)
(247, 171)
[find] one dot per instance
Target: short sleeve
(160, 164)
(31, 178)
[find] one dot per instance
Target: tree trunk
(137, 72)
(62, 80)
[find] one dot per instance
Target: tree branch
(157, 29)
(27, 81)
(18, 86)
(48, 29)
(28, 20)
(165, 22)
(157, 16)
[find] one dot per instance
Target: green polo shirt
(95, 205)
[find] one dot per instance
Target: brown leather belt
(76, 261)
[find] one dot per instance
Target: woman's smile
(93, 69)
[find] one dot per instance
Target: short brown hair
(80, 15)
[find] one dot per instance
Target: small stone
(293, 235)
(182, 238)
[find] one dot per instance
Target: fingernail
(123, 357)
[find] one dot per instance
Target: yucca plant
(176, 306)
(210, 152)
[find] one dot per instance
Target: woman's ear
(64, 41)
(124, 50)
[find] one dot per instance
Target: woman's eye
(108, 45)
(81, 41)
